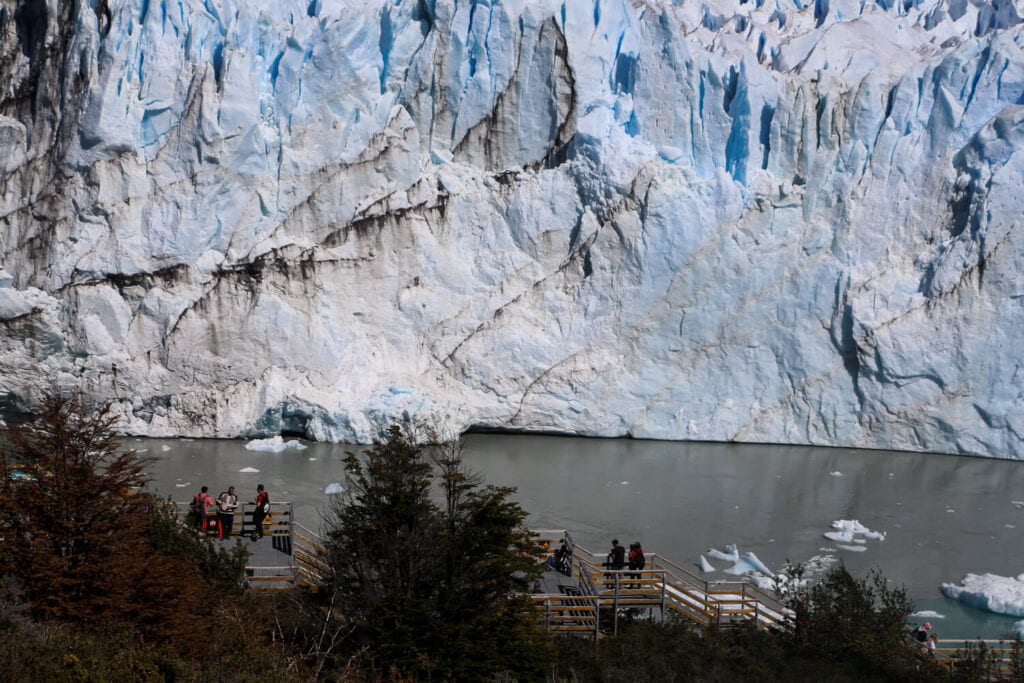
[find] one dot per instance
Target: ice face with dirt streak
(748, 221)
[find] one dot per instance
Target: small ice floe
(852, 548)
(999, 594)
(274, 444)
(164, 447)
(623, 483)
(749, 564)
(928, 614)
(1017, 503)
(1009, 526)
(705, 566)
(730, 554)
(141, 450)
(837, 473)
(950, 510)
(248, 470)
(333, 488)
(847, 529)
(312, 458)
(181, 486)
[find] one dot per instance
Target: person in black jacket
(616, 560)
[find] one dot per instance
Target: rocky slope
(718, 220)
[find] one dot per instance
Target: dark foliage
(429, 591)
(851, 630)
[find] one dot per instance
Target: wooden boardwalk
(286, 555)
(579, 596)
(584, 597)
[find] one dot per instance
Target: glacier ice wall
(748, 220)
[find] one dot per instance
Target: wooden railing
(996, 660)
(666, 587)
(278, 526)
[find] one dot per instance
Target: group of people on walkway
(217, 517)
(617, 559)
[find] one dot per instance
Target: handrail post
(663, 580)
(615, 607)
(291, 542)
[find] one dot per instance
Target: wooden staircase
(661, 589)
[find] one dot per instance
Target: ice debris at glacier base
(991, 592)
(720, 220)
(274, 444)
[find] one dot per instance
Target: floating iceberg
(248, 470)
(705, 566)
(333, 488)
(928, 614)
(847, 529)
(730, 554)
(999, 594)
(274, 444)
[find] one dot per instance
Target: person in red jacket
(262, 510)
(203, 509)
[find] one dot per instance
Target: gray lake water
(944, 516)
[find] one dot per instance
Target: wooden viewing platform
(581, 597)
(288, 555)
(584, 597)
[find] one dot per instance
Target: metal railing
(663, 586)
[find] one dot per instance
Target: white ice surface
(928, 614)
(274, 444)
(999, 594)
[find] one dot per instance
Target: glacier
(776, 221)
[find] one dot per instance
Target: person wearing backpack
(201, 508)
(262, 510)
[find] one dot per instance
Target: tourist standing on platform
(204, 509)
(197, 507)
(636, 560)
(227, 503)
(262, 510)
(616, 560)
(616, 556)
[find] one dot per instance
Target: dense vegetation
(426, 570)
